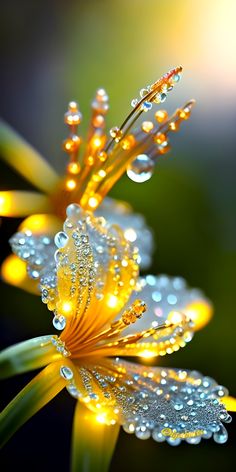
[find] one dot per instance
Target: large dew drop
(141, 169)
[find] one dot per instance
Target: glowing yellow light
(101, 418)
(200, 312)
(102, 173)
(161, 115)
(229, 403)
(112, 301)
(93, 202)
(67, 307)
(97, 142)
(5, 203)
(71, 184)
(147, 354)
(14, 270)
(175, 317)
(147, 126)
(49, 224)
(73, 168)
(130, 235)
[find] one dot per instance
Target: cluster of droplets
(36, 251)
(166, 404)
(159, 97)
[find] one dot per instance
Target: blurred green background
(55, 51)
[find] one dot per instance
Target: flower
(104, 311)
(90, 175)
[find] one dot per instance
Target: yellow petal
(27, 355)
(19, 203)
(13, 271)
(26, 160)
(45, 386)
(229, 403)
(93, 441)
(41, 224)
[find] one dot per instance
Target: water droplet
(66, 373)
(141, 169)
(146, 106)
(61, 239)
(158, 436)
(221, 436)
(134, 102)
(141, 432)
(59, 322)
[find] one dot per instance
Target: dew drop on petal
(61, 239)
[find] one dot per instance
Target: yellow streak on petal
(41, 224)
(13, 271)
(200, 312)
(19, 203)
(93, 441)
(229, 403)
(26, 160)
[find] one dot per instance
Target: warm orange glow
(48, 224)
(5, 203)
(73, 168)
(200, 313)
(161, 115)
(14, 270)
(93, 202)
(66, 308)
(112, 301)
(71, 184)
(147, 354)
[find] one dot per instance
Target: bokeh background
(55, 51)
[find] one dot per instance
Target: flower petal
(26, 160)
(14, 272)
(164, 294)
(43, 388)
(42, 224)
(27, 355)
(149, 400)
(20, 203)
(93, 441)
(134, 226)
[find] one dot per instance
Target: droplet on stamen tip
(141, 169)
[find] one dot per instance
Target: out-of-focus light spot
(93, 202)
(67, 307)
(112, 301)
(200, 312)
(147, 354)
(71, 184)
(130, 235)
(14, 270)
(5, 203)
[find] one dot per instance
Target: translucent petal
(167, 404)
(133, 225)
(45, 386)
(26, 160)
(164, 294)
(96, 269)
(27, 355)
(93, 441)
